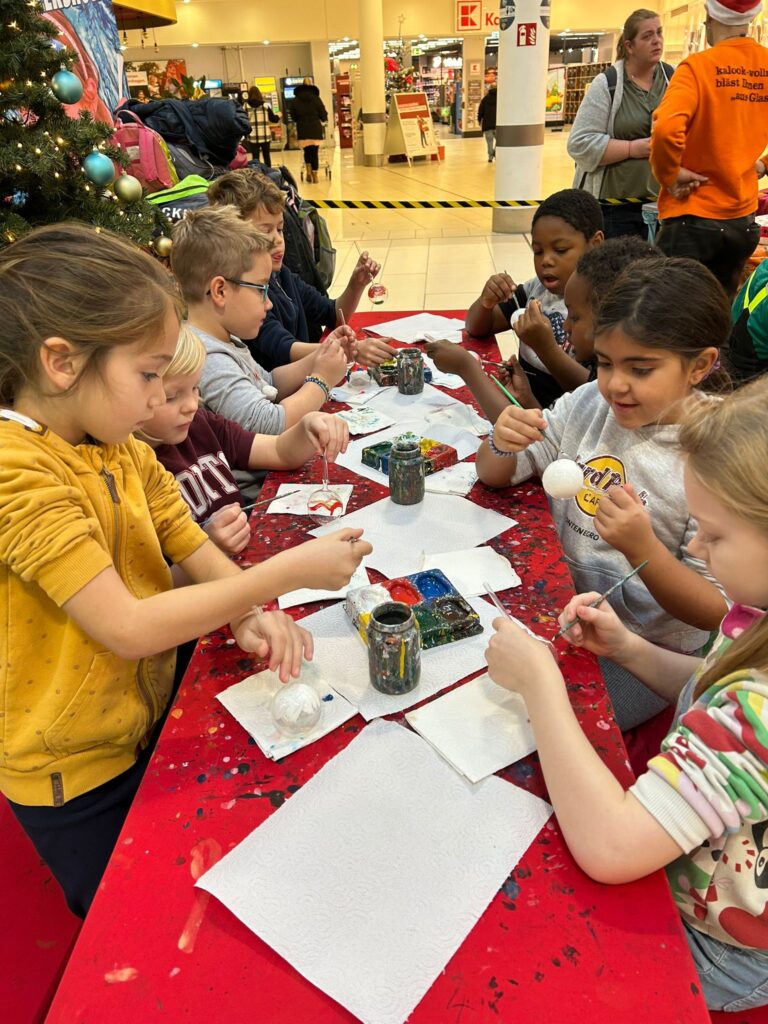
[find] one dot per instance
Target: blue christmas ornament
(99, 168)
(19, 198)
(66, 87)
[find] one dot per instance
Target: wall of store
(224, 63)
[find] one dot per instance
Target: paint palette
(385, 374)
(442, 613)
(436, 454)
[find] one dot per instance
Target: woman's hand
(372, 351)
(516, 429)
(599, 630)
(640, 149)
(326, 433)
(623, 522)
(498, 288)
(518, 662)
(276, 635)
(229, 529)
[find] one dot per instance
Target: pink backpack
(147, 151)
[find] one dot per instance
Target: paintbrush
(499, 606)
(599, 600)
(266, 501)
(512, 398)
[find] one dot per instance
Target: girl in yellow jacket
(88, 522)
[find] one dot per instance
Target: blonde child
(657, 339)
(223, 266)
(285, 334)
(567, 224)
(203, 449)
(89, 518)
(701, 809)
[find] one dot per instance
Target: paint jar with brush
(394, 648)
(410, 371)
(406, 472)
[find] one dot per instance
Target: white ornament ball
(563, 479)
(296, 709)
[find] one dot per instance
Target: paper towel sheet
(469, 570)
(458, 479)
(359, 389)
(410, 329)
(296, 504)
(306, 596)
(370, 877)
(363, 419)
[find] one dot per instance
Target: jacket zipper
(144, 687)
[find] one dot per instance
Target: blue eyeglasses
(263, 288)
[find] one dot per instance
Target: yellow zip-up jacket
(72, 714)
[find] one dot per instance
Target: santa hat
(734, 12)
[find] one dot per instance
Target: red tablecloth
(552, 946)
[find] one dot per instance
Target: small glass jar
(394, 648)
(406, 472)
(410, 371)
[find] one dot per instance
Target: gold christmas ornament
(163, 246)
(128, 189)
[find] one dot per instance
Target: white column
(522, 84)
(321, 72)
(472, 83)
(371, 35)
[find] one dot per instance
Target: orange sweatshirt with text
(714, 120)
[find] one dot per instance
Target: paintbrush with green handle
(599, 600)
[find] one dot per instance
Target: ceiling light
(195, 45)
(266, 42)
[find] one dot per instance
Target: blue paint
(328, 696)
(432, 584)
(511, 889)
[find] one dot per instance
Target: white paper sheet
(464, 441)
(392, 403)
(508, 344)
(402, 534)
(340, 651)
(479, 728)
(468, 570)
(363, 419)
(248, 701)
(296, 504)
(463, 417)
(452, 381)
(458, 479)
(359, 389)
(306, 596)
(410, 329)
(370, 877)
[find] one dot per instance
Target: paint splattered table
(552, 946)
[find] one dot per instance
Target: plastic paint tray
(436, 454)
(442, 613)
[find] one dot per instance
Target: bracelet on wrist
(312, 379)
(498, 451)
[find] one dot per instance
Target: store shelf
(577, 78)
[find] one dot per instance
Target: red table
(552, 946)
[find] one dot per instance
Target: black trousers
(312, 156)
(723, 246)
(624, 220)
(263, 148)
(77, 839)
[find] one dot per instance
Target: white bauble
(563, 479)
(296, 709)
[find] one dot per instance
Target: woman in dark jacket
(310, 115)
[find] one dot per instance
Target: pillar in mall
(522, 85)
(321, 72)
(371, 36)
(472, 83)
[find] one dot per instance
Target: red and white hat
(734, 12)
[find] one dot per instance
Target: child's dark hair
(576, 207)
(670, 303)
(602, 266)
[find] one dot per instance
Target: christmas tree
(54, 167)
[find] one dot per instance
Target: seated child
(223, 267)
(284, 336)
(564, 226)
(748, 347)
(202, 449)
(594, 276)
(701, 808)
(657, 340)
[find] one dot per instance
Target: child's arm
(610, 834)
(315, 432)
(327, 360)
(366, 270)
(452, 358)
(484, 316)
(535, 329)
(513, 432)
(623, 522)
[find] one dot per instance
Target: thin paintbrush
(266, 501)
(599, 600)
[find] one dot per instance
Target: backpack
(147, 152)
(189, 194)
(319, 236)
(188, 161)
(612, 77)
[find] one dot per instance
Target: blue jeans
(490, 141)
(732, 978)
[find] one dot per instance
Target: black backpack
(612, 77)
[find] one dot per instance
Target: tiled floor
(431, 259)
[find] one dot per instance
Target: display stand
(410, 132)
(577, 78)
(344, 110)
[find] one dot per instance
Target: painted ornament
(377, 293)
(66, 87)
(563, 479)
(128, 189)
(98, 168)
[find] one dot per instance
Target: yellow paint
(402, 659)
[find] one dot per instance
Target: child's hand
(534, 328)
(515, 380)
(498, 288)
(347, 339)
(372, 351)
(515, 429)
(599, 629)
(276, 635)
(516, 661)
(229, 529)
(623, 522)
(450, 358)
(330, 361)
(328, 562)
(366, 270)
(327, 433)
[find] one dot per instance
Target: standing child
(701, 809)
(202, 449)
(657, 339)
(564, 226)
(89, 518)
(284, 335)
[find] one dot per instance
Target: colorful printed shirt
(708, 788)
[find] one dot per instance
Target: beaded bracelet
(311, 379)
(498, 451)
